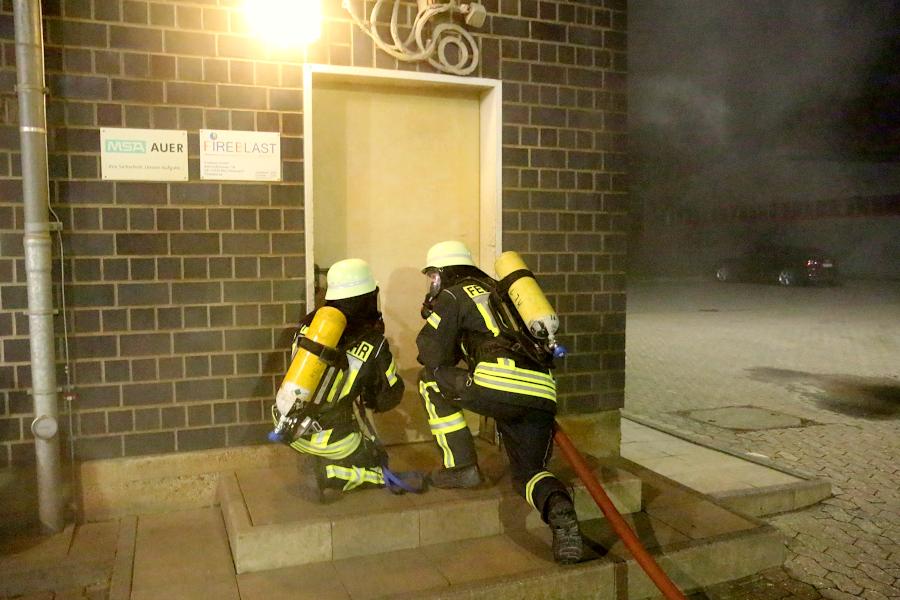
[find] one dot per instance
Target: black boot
(456, 477)
(567, 544)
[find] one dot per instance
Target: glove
(427, 306)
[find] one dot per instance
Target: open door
(398, 165)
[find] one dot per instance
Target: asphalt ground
(823, 364)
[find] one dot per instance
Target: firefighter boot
(567, 544)
(456, 477)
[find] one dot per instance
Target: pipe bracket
(44, 427)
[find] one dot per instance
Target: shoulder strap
(505, 283)
(330, 356)
(513, 332)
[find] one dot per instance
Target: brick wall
(180, 296)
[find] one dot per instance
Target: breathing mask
(434, 288)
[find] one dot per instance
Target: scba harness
(512, 333)
(302, 419)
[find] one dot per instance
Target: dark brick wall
(180, 295)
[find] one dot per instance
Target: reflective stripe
(448, 424)
(350, 381)
(482, 301)
(319, 446)
(439, 437)
(434, 320)
(529, 487)
(506, 377)
(526, 375)
(335, 386)
(514, 388)
(355, 476)
(391, 373)
(487, 316)
(355, 364)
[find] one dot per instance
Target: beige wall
(395, 169)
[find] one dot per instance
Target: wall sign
(143, 154)
(240, 155)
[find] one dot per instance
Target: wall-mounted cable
(68, 388)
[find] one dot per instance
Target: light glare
(285, 23)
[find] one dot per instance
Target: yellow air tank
(306, 369)
(529, 300)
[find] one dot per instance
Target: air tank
(306, 369)
(529, 300)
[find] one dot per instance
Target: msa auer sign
(143, 154)
(127, 146)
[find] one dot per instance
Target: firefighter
(344, 457)
(498, 381)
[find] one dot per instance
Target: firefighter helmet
(447, 254)
(348, 278)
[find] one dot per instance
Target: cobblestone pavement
(830, 356)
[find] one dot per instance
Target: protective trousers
(360, 469)
(527, 433)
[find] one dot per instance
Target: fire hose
(628, 537)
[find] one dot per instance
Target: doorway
(395, 162)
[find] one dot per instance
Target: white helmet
(446, 254)
(348, 278)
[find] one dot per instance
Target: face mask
(434, 283)
(434, 288)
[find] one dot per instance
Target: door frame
(490, 144)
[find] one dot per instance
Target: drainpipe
(38, 255)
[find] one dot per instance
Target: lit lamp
(284, 23)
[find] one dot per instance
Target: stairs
(482, 543)
(270, 524)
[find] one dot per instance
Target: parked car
(785, 265)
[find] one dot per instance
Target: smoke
(749, 102)
(756, 77)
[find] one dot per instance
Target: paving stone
(681, 361)
(873, 595)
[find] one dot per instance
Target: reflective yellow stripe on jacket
(319, 445)
(505, 376)
(391, 373)
(481, 298)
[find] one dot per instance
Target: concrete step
(748, 483)
(696, 541)
(271, 524)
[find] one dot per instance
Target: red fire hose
(643, 558)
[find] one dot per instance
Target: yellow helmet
(348, 278)
(447, 254)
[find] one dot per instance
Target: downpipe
(628, 537)
(30, 90)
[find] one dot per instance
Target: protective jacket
(348, 456)
(498, 382)
(465, 324)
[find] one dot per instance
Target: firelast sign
(143, 154)
(240, 155)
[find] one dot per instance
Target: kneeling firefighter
(471, 317)
(341, 365)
